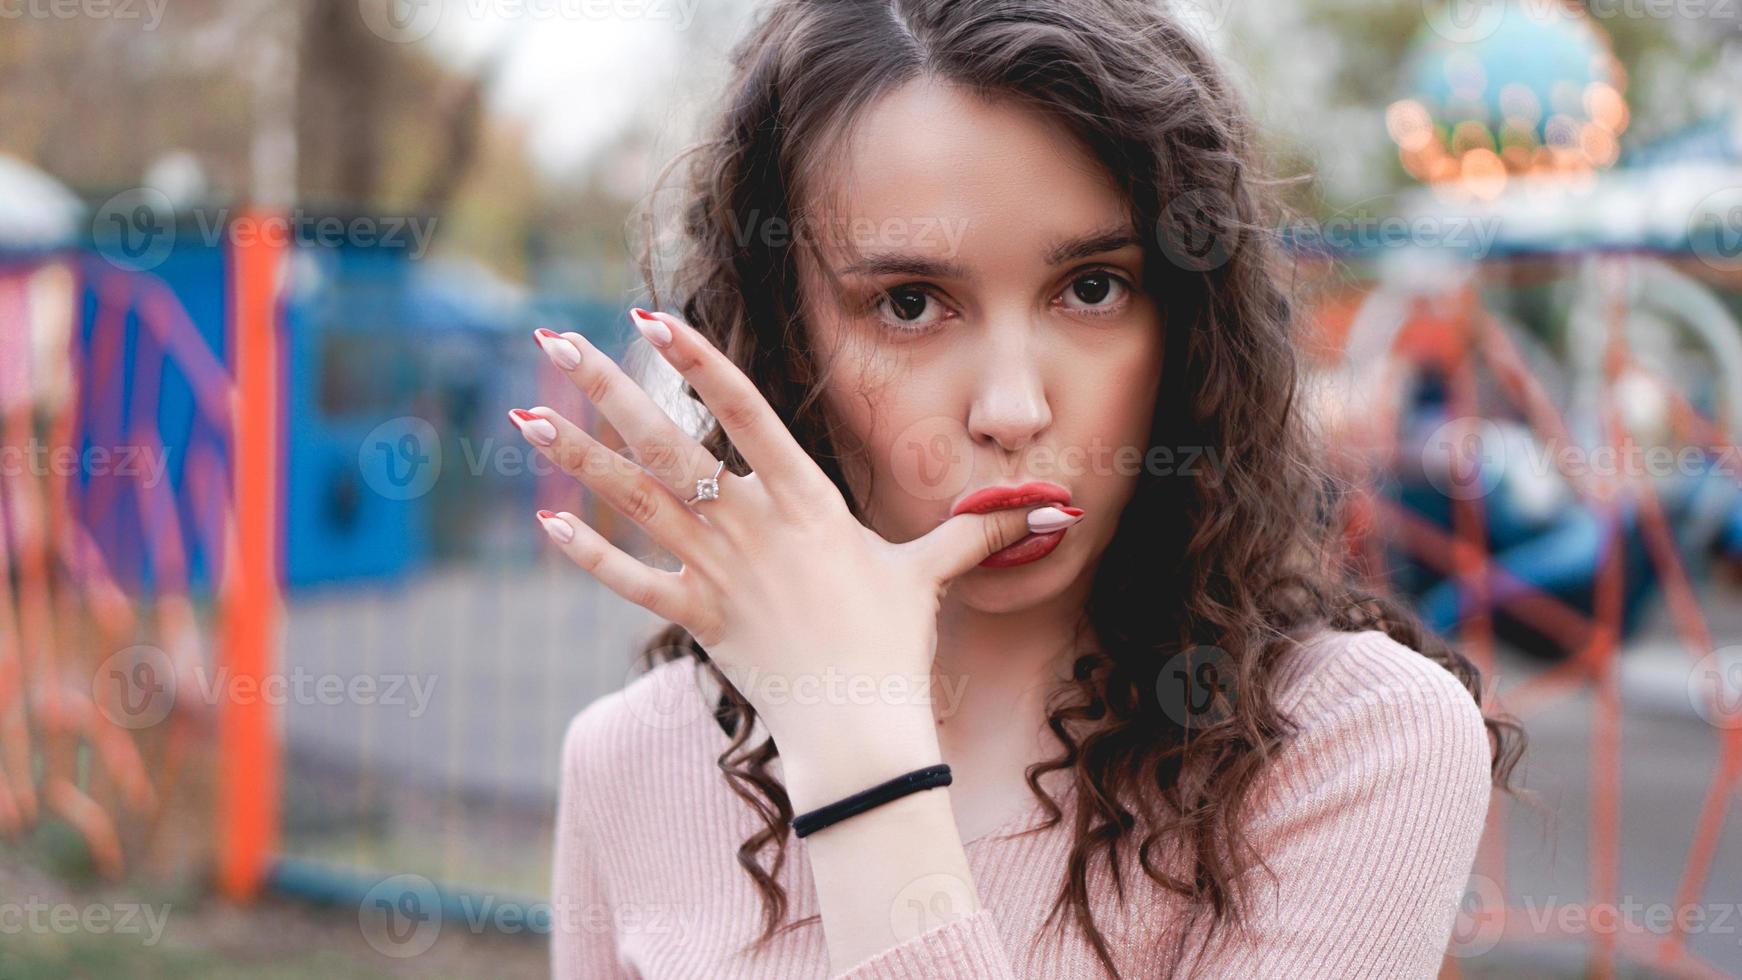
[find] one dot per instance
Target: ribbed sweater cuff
(962, 949)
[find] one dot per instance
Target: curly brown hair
(1247, 546)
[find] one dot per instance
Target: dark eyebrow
(922, 267)
(904, 264)
(1095, 243)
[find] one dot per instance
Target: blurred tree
(250, 88)
(369, 109)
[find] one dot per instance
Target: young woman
(1011, 478)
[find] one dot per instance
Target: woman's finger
(735, 402)
(658, 591)
(666, 451)
(959, 544)
(633, 491)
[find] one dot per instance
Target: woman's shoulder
(656, 721)
(1387, 710)
(1380, 730)
(1335, 672)
(1372, 809)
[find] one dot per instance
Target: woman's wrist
(822, 763)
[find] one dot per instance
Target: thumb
(963, 541)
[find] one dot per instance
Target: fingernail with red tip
(562, 352)
(651, 327)
(538, 431)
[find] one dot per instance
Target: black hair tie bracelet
(931, 776)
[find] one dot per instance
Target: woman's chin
(1011, 587)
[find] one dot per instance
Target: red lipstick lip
(988, 499)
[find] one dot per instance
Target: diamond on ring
(708, 487)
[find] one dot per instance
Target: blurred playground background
(285, 662)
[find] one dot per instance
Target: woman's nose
(1010, 404)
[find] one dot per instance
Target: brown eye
(908, 303)
(1095, 292)
(1093, 289)
(910, 309)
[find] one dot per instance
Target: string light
(1540, 95)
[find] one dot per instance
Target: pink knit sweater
(1370, 818)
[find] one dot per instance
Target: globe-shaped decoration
(1527, 87)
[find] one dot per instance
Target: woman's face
(988, 329)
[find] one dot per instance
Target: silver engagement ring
(708, 487)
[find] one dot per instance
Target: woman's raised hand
(782, 586)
